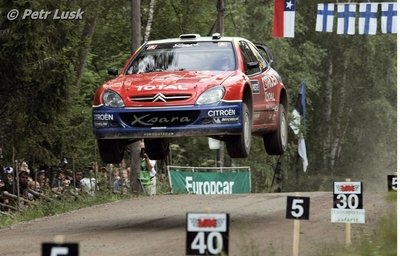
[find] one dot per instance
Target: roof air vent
(189, 36)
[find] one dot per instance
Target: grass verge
(382, 242)
(45, 208)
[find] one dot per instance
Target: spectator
(122, 183)
(7, 184)
(149, 166)
(116, 185)
(77, 179)
(43, 181)
(88, 185)
(125, 182)
(60, 182)
(23, 185)
(8, 180)
(34, 185)
(102, 179)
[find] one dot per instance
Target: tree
(134, 148)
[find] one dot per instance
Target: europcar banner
(209, 183)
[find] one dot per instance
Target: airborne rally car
(219, 87)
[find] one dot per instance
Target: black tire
(156, 149)
(238, 146)
(276, 143)
(111, 151)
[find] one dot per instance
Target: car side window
(251, 62)
(264, 54)
(262, 61)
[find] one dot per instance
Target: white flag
(346, 19)
(303, 153)
(389, 18)
(367, 22)
(325, 15)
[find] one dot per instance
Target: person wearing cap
(8, 180)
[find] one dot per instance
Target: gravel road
(157, 225)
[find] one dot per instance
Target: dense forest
(49, 70)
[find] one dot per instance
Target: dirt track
(157, 225)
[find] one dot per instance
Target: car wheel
(156, 149)
(276, 143)
(238, 146)
(111, 151)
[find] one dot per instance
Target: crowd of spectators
(20, 184)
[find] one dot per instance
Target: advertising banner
(209, 183)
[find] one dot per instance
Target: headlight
(211, 96)
(112, 99)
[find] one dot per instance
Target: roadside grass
(383, 242)
(67, 204)
(45, 208)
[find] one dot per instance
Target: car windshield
(191, 56)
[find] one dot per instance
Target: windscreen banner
(209, 182)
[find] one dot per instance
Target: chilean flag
(284, 12)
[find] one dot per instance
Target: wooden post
(348, 229)
(296, 237)
(296, 234)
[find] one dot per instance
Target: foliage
(351, 86)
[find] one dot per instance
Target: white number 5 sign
(298, 208)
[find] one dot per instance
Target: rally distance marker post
(347, 205)
(297, 208)
(207, 233)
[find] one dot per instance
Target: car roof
(197, 38)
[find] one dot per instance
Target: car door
(258, 71)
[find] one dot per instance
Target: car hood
(166, 88)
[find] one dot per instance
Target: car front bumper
(223, 118)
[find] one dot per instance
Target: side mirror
(252, 64)
(112, 71)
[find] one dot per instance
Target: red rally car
(219, 87)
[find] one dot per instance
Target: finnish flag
(389, 18)
(346, 19)
(367, 22)
(325, 15)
